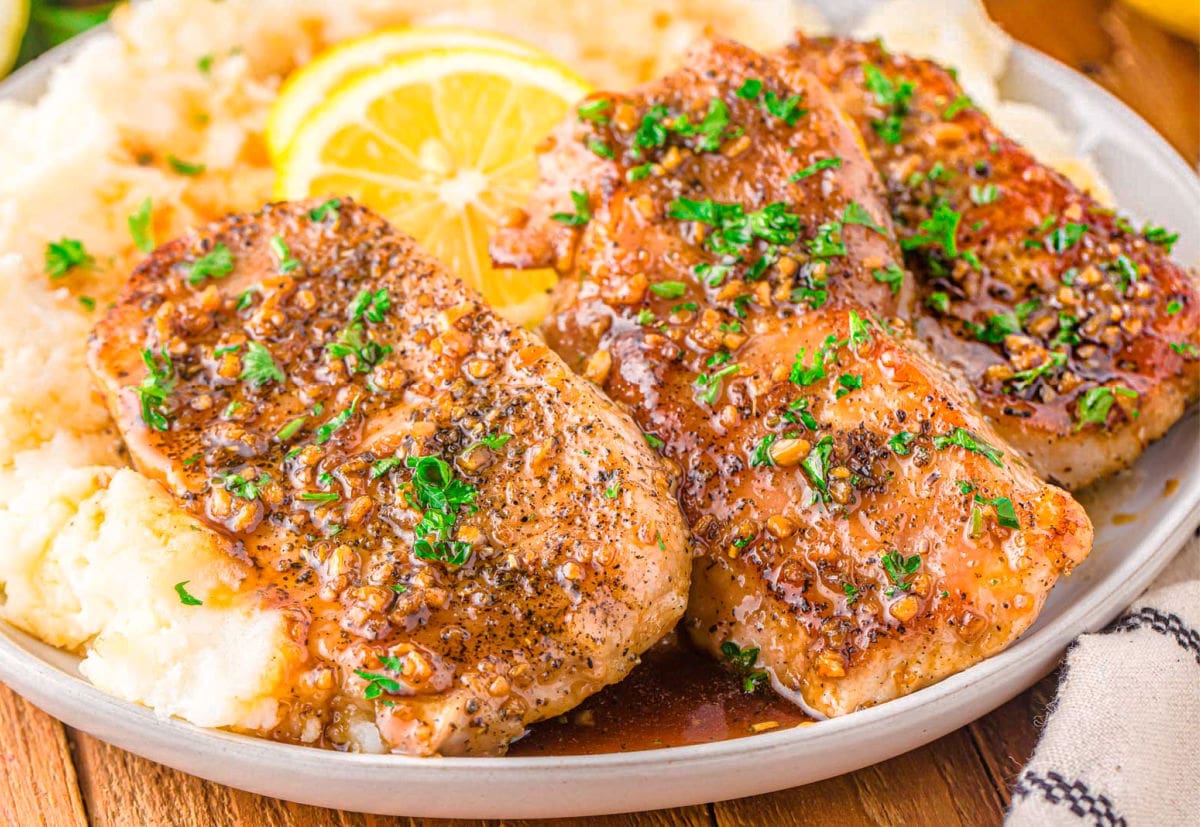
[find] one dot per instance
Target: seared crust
(1095, 309)
(816, 440)
(566, 562)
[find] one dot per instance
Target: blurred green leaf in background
(53, 21)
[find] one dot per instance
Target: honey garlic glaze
(466, 537)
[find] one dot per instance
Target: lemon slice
(308, 87)
(14, 15)
(441, 143)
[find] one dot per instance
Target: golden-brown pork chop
(471, 538)
(864, 530)
(1077, 331)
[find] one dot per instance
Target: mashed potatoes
(93, 550)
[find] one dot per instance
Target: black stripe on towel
(1075, 794)
(1165, 624)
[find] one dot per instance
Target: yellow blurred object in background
(14, 17)
(1180, 16)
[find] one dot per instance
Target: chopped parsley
(894, 97)
(959, 104)
(258, 367)
(329, 428)
(986, 194)
(64, 256)
(899, 443)
(1126, 270)
(814, 168)
(750, 89)
(1065, 237)
(1024, 378)
(939, 230)
(1095, 403)
(88, 302)
(154, 389)
(1173, 307)
(493, 442)
(710, 130)
(378, 684)
(786, 109)
(320, 496)
(1006, 515)
(651, 132)
(639, 172)
(381, 466)
(184, 597)
(848, 382)
(891, 275)
(441, 495)
(762, 451)
(1185, 348)
(652, 440)
(291, 428)
(1160, 236)
(205, 63)
(353, 341)
(612, 490)
(734, 228)
(593, 111)
(140, 227)
(669, 289)
(970, 442)
(743, 660)
(582, 214)
(322, 211)
(283, 254)
(816, 465)
(239, 486)
(709, 384)
(827, 243)
(599, 148)
(999, 325)
(215, 264)
(851, 592)
(371, 304)
(184, 168)
(856, 213)
(797, 413)
(898, 568)
(938, 300)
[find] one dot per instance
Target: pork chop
(728, 270)
(470, 537)
(1078, 331)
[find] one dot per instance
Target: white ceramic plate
(1149, 180)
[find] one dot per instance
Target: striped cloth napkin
(1122, 744)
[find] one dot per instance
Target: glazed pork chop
(729, 273)
(1077, 331)
(470, 537)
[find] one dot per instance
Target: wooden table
(51, 774)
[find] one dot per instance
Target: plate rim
(1035, 652)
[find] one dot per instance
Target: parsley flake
(140, 227)
(185, 598)
(582, 214)
(258, 367)
(64, 256)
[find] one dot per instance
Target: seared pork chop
(470, 537)
(1078, 332)
(727, 273)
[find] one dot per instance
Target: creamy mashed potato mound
(92, 549)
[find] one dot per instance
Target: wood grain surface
(53, 775)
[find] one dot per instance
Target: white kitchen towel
(1122, 744)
